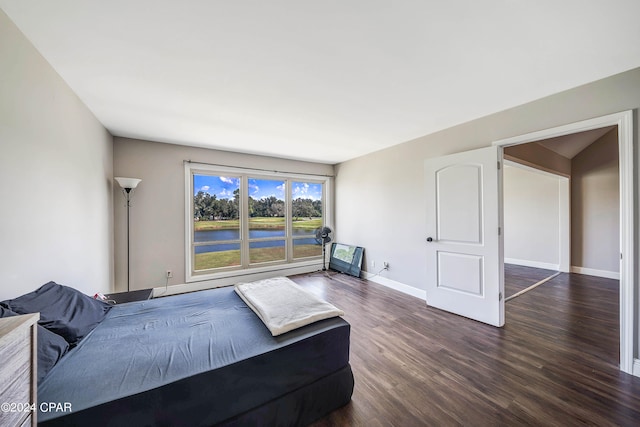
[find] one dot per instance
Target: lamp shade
(127, 182)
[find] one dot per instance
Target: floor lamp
(128, 185)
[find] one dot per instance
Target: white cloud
(301, 190)
(306, 191)
(227, 180)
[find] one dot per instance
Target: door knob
(429, 239)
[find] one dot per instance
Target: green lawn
(209, 260)
(215, 225)
(309, 224)
(217, 259)
(266, 222)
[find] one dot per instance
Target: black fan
(322, 238)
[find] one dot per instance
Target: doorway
(624, 124)
(536, 209)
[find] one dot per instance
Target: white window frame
(191, 168)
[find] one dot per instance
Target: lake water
(234, 234)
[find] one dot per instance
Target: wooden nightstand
(19, 371)
(131, 296)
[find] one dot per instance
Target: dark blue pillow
(63, 310)
(51, 347)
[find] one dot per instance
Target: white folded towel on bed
(283, 306)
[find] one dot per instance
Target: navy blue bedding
(51, 347)
(63, 310)
(196, 359)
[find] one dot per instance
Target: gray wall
(595, 206)
(55, 171)
(158, 211)
(531, 218)
(380, 197)
(386, 187)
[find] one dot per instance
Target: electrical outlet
(373, 263)
(169, 274)
(385, 265)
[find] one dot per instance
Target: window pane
(216, 218)
(266, 208)
(215, 202)
(308, 247)
(266, 251)
(306, 207)
(217, 256)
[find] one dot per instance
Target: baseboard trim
(636, 368)
(535, 264)
(182, 288)
(398, 286)
(594, 272)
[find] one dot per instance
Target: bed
(198, 359)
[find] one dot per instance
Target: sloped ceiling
(570, 145)
(327, 80)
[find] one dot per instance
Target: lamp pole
(127, 192)
(127, 185)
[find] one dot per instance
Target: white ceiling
(320, 80)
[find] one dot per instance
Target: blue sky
(223, 187)
(307, 190)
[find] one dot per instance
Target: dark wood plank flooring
(518, 277)
(555, 363)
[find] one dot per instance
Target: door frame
(624, 121)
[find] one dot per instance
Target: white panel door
(464, 248)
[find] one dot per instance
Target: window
(240, 219)
(216, 221)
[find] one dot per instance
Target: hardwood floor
(518, 278)
(553, 364)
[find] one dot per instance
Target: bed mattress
(202, 358)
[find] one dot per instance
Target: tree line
(210, 207)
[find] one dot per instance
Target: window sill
(315, 262)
